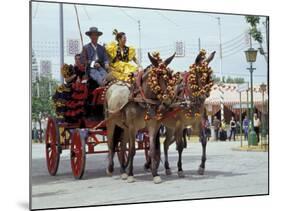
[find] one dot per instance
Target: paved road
(228, 173)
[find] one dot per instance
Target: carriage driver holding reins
(94, 57)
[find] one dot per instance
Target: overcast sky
(159, 31)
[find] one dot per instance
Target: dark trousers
(217, 134)
(246, 134)
(232, 132)
(257, 130)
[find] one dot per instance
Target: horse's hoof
(157, 180)
(168, 172)
(181, 174)
(147, 169)
(124, 176)
(108, 173)
(201, 171)
(131, 179)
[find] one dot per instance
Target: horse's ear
(211, 57)
(168, 60)
(198, 59)
(153, 61)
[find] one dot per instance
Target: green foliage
(237, 80)
(216, 79)
(223, 79)
(254, 32)
(42, 92)
(253, 20)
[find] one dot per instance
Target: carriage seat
(98, 96)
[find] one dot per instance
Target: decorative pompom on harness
(164, 73)
(198, 86)
(199, 79)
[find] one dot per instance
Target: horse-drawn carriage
(81, 137)
(159, 97)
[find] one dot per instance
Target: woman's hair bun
(115, 32)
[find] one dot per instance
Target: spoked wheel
(52, 146)
(77, 154)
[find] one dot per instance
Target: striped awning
(230, 95)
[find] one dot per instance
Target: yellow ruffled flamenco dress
(120, 62)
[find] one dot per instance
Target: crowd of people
(234, 128)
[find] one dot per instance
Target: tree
(216, 79)
(255, 33)
(237, 80)
(34, 67)
(42, 104)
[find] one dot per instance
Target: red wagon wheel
(52, 139)
(77, 154)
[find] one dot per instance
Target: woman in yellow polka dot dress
(121, 57)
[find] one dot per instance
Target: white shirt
(256, 122)
(96, 57)
(96, 53)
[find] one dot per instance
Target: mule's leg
(166, 163)
(203, 140)
(157, 149)
(147, 164)
(180, 146)
(110, 133)
(153, 130)
(132, 152)
(184, 134)
(123, 160)
(168, 141)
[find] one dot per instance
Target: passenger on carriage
(70, 97)
(79, 68)
(120, 57)
(95, 58)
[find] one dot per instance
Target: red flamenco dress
(76, 105)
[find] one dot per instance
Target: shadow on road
(189, 175)
(96, 169)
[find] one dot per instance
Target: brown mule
(130, 118)
(178, 121)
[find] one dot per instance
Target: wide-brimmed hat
(93, 30)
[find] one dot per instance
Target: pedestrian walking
(216, 124)
(233, 126)
(246, 127)
(222, 132)
(34, 137)
(257, 124)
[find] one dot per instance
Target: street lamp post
(263, 90)
(221, 77)
(61, 38)
(248, 113)
(251, 55)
